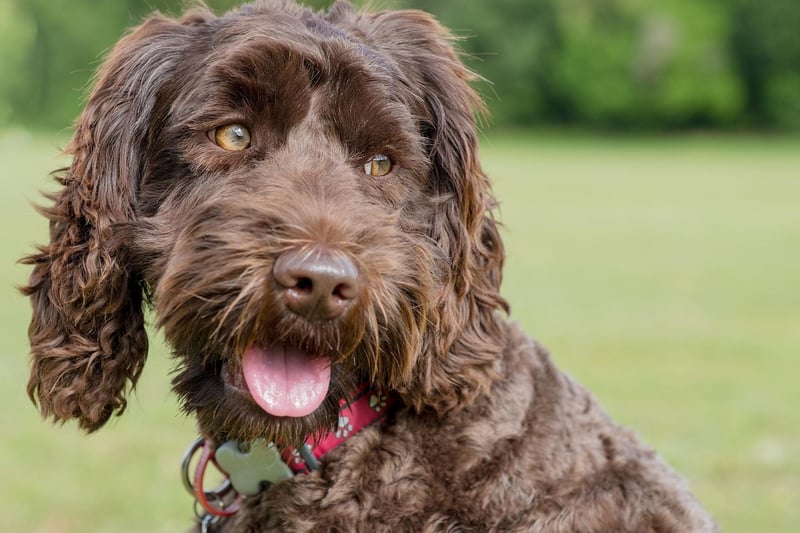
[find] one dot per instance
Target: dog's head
(298, 196)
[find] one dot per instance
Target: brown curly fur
(488, 435)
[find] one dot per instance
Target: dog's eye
(233, 137)
(378, 166)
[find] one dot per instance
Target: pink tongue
(285, 381)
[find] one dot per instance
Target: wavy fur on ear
(87, 332)
(462, 348)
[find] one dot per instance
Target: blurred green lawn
(664, 273)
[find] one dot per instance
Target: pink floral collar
(364, 409)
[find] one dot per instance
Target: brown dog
(298, 197)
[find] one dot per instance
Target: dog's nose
(317, 284)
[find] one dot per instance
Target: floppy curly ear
(463, 347)
(87, 332)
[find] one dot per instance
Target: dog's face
(298, 196)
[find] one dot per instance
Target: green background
(618, 65)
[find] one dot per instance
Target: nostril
(344, 291)
(304, 285)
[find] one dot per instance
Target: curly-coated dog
(298, 197)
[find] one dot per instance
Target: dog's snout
(317, 284)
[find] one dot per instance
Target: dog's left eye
(378, 166)
(233, 137)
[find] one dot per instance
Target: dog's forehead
(269, 66)
(320, 42)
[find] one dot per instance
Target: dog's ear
(463, 344)
(87, 335)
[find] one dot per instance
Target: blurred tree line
(612, 64)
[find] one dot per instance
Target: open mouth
(284, 380)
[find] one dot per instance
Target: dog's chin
(226, 409)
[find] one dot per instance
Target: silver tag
(249, 470)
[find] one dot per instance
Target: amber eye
(233, 137)
(378, 166)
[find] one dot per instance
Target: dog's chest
(414, 475)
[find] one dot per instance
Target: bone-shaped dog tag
(249, 470)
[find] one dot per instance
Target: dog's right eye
(233, 137)
(378, 166)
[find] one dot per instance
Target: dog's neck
(249, 467)
(365, 408)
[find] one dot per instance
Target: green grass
(664, 273)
